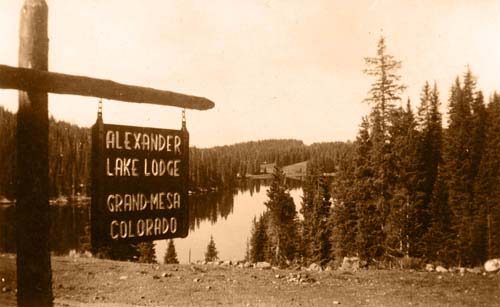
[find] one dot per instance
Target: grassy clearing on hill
(94, 282)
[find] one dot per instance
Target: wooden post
(34, 278)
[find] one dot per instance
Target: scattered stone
(299, 278)
(227, 263)
(209, 287)
(336, 303)
(491, 265)
(196, 280)
(3, 279)
(475, 270)
(441, 269)
(123, 277)
(197, 269)
(315, 267)
(277, 276)
(263, 265)
(429, 267)
(165, 274)
(350, 264)
(5, 289)
(247, 265)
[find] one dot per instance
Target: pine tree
(211, 254)
(487, 184)
(400, 222)
(146, 252)
(369, 228)
(385, 91)
(428, 156)
(461, 153)
(386, 88)
(170, 254)
(259, 240)
(322, 248)
(282, 219)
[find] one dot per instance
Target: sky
(275, 69)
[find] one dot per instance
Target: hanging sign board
(139, 184)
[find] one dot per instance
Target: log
(34, 80)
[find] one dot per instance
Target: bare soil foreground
(94, 282)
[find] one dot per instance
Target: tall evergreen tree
(385, 91)
(369, 230)
(309, 190)
(322, 248)
(282, 218)
(460, 155)
(170, 254)
(487, 184)
(259, 242)
(400, 222)
(427, 160)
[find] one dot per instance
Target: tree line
(219, 167)
(411, 191)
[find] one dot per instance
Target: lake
(227, 216)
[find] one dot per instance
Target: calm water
(227, 216)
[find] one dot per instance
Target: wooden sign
(139, 184)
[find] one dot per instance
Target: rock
(440, 277)
(123, 277)
(314, 267)
(165, 274)
(196, 280)
(5, 289)
(247, 265)
(429, 267)
(3, 279)
(441, 269)
(263, 265)
(336, 303)
(156, 277)
(492, 265)
(208, 287)
(350, 264)
(475, 270)
(227, 263)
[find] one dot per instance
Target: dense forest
(210, 168)
(411, 192)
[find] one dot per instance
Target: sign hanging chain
(183, 118)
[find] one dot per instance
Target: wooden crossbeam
(33, 80)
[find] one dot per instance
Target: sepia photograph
(249, 153)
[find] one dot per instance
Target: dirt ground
(94, 282)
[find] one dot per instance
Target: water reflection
(227, 215)
(70, 223)
(70, 228)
